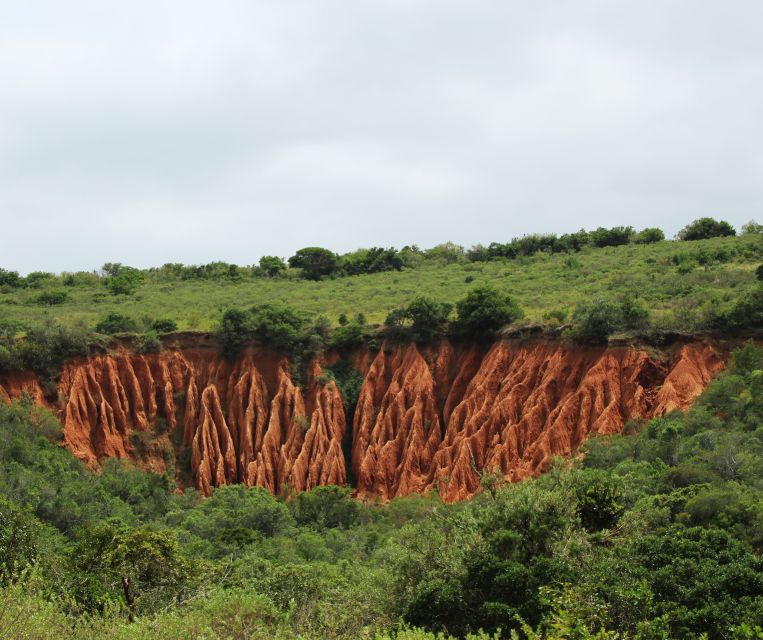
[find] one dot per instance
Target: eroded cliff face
(243, 422)
(426, 418)
(440, 419)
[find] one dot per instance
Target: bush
(348, 336)
(373, 260)
(164, 325)
(116, 323)
(613, 237)
(149, 343)
(325, 508)
(277, 326)
(18, 539)
(484, 311)
(427, 317)
(10, 279)
(594, 322)
(50, 298)
(704, 228)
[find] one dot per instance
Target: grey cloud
(195, 131)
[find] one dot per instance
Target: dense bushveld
(653, 534)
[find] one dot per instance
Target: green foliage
(10, 279)
(116, 323)
(18, 539)
(148, 342)
(315, 262)
(43, 348)
(348, 336)
(484, 311)
(374, 260)
(325, 508)
(649, 235)
(594, 322)
(278, 326)
(50, 298)
(704, 228)
(272, 266)
(423, 320)
(718, 272)
(164, 325)
(141, 567)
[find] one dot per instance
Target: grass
(541, 284)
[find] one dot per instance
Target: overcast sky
(192, 131)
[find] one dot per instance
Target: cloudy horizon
(193, 132)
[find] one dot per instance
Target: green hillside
(677, 281)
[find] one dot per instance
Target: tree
(613, 237)
(18, 539)
(484, 311)
(704, 228)
(9, 279)
(142, 566)
(428, 317)
(749, 228)
(325, 508)
(315, 262)
(272, 266)
(649, 236)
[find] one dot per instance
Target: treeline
(316, 263)
(652, 534)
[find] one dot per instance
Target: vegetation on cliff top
(546, 275)
(655, 534)
(594, 283)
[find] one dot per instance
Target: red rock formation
(522, 405)
(242, 422)
(434, 418)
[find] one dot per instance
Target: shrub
(613, 237)
(349, 336)
(35, 279)
(10, 279)
(373, 260)
(164, 325)
(278, 326)
(427, 317)
(634, 314)
(752, 228)
(704, 228)
(594, 322)
(484, 311)
(149, 343)
(116, 323)
(325, 508)
(50, 298)
(18, 539)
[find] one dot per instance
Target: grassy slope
(541, 284)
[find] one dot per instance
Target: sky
(191, 131)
